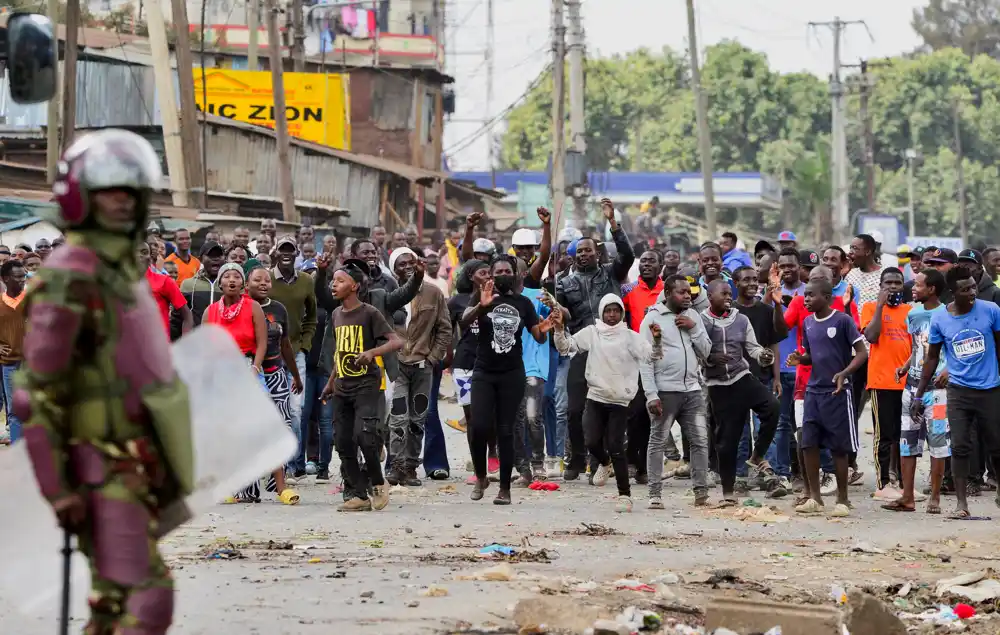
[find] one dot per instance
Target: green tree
(970, 25)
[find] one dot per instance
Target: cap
(787, 237)
(524, 237)
(808, 258)
(286, 240)
(483, 246)
(210, 245)
(763, 245)
(944, 255)
(308, 265)
(970, 255)
(877, 236)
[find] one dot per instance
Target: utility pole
(488, 54)
(288, 211)
(298, 38)
(577, 118)
(558, 112)
(189, 110)
(963, 223)
(839, 181)
(704, 134)
(164, 78)
(69, 72)
(253, 28)
(869, 141)
(911, 159)
(52, 146)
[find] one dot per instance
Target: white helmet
(524, 237)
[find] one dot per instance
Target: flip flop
(896, 506)
(289, 497)
(933, 509)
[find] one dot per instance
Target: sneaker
(655, 502)
(827, 485)
(493, 468)
(701, 497)
(856, 477)
(919, 497)
(479, 487)
(887, 493)
(840, 511)
(526, 478)
(775, 489)
(356, 505)
(323, 476)
(741, 487)
(380, 497)
(991, 485)
(624, 505)
(502, 498)
(809, 508)
(601, 475)
(410, 478)
(569, 474)
(552, 468)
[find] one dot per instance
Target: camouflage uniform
(97, 387)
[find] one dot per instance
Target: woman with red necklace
(244, 319)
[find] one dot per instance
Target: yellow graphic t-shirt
(357, 331)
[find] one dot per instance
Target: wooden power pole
(298, 38)
(190, 136)
(52, 146)
(164, 78)
(69, 71)
(289, 213)
(704, 135)
(558, 113)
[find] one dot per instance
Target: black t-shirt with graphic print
(357, 331)
(500, 329)
(465, 350)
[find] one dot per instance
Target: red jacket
(637, 298)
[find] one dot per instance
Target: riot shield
(238, 436)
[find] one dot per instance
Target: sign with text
(317, 106)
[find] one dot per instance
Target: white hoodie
(615, 354)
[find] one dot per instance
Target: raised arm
(400, 297)
(470, 235)
(545, 248)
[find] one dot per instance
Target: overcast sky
(778, 28)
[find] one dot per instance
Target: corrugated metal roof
(20, 223)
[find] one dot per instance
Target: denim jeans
(555, 430)
(435, 448)
(555, 435)
(299, 462)
(315, 382)
(8, 394)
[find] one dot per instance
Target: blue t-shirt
(535, 355)
(968, 345)
(787, 346)
(830, 342)
(918, 323)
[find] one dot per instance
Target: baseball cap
(970, 255)
(787, 237)
(877, 236)
(763, 245)
(210, 245)
(943, 255)
(808, 258)
(483, 246)
(286, 240)
(524, 237)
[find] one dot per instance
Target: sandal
(959, 514)
(288, 497)
(725, 503)
(933, 509)
(897, 506)
(809, 508)
(233, 500)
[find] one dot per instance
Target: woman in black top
(498, 373)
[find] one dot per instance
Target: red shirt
(795, 317)
(166, 293)
(638, 299)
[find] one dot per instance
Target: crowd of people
(572, 355)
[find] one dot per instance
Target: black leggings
(496, 398)
(604, 427)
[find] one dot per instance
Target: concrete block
(871, 616)
(748, 616)
(559, 614)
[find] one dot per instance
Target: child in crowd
(612, 380)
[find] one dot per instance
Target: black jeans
(638, 432)
(887, 416)
(576, 386)
(496, 398)
(604, 427)
(973, 413)
(356, 424)
(731, 406)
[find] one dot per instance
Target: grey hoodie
(730, 335)
(678, 370)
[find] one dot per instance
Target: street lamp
(912, 158)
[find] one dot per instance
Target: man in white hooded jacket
(612, 380)
(673, 385)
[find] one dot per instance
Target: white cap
(524, 237)
(877, 235)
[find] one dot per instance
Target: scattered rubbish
(941, 616)
(434, 591)
(751, 503)
(633, 585)
(964, 611)
(223, 550)
(412, 604)
(974, 586)
(448, 489)
(585, 587)
(337, 574)
(404, 575)
(590, 529)
(637, 619)
(904, 590)
(864, 547)
(544, 486)
(608, 627)
(757, 514)
(373, 544)
(314, 560)
(870, 616)
(838, 594)
(557, 614)
(666, 578)
(494, 548)
(499, 573)
(367, 594)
